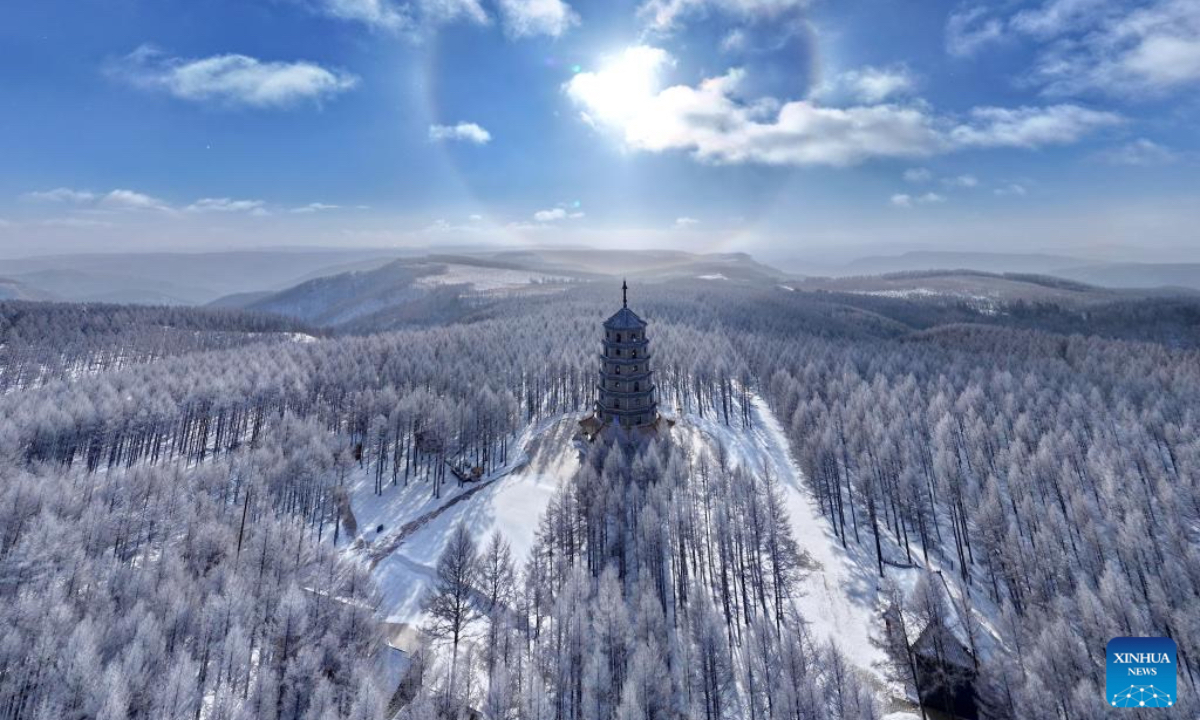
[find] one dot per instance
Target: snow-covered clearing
(984, 304)
(545, 455)
(483, 279)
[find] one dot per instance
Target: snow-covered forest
(182, 497)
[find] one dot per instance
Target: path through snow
(545, 456)
(839, 595)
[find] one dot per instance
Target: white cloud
(1029, 127)
(130, 200)
(76, 223)
(874, 85)
(475, 217)
(715, 123)
(236, 80)
(1140, 152)
(970, 29)
(314, 207)
(1120, 49)
(555, 214)
(525, 18)
(717, 127)
(439, 12)
(544, 216)
(227, 205)
(686, 222)
(961, 181)
(61, 194)
(376, 13)
(904, 200)
(735, 41)
(120, 199)
(464, 131)
(666, 15)
(393, 15)
(1011, 190)
(1111, 47)
(1056, 16)
(917, 175)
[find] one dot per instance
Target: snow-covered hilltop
(404, 531)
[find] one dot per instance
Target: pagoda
(625, 394)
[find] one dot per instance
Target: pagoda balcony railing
(614, 358)
(626, 393)
(625, 343)
(626, 410)
(630, 376)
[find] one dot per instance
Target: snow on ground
(485, 278)
(838, 597)
(842, 595)
(545, 456)
(397, 505)
(713, 276)
(982, 303)
(901, 293)
(839, 594)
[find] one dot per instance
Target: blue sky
(787, 128)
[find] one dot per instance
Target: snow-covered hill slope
(840, 594)
(511, 502)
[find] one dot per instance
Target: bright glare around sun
(622, 88)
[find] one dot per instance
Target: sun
(623, 87)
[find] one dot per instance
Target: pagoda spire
(624, 293)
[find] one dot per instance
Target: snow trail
(512, 501)
(838, 596)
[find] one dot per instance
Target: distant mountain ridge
(1137, 275)
(243, 278)
(15, 290)
(920, 260)
(1102, 274)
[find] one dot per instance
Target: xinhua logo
(1141, 672)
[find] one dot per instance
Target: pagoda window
(636, 387)
(635, 353)
(618, 337)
